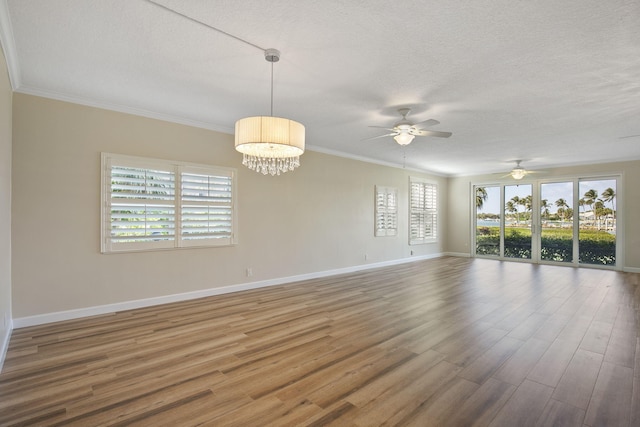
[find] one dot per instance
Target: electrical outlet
(366, 257)
(249, 271)
(411, 252)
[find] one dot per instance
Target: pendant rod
(204, 24)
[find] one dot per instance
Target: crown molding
(370, 160)
(121, 109)
(194, 123)
(8, 44)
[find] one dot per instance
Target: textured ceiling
(550, 82)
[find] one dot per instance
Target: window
(386, 211)
(156, 204)
(423, 213)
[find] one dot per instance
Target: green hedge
(597, 252)
(556, 247)
(595, 247)
(517, 243)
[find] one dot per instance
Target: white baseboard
(457, 254)
(466, 255)
(40, 319)
(4, 343)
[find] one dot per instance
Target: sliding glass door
(517, 221)
(597, 224)
(571, 222)
(488, 221)
(556, 221)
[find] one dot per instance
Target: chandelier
(270, 145)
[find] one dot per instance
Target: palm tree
(590, 197)
(598, 210)
(609, 195)
(568, 214)
(562, 205)
(512, 208)
(544, 208)
(517, 201)
(481, 197)
(564, 210)
(527, 202)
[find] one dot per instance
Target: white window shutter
(386, 211)
(207, 211)
(155, 204)
(423, 212)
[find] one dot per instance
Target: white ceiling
(551, 82)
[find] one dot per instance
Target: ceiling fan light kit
(404, 138)
(518, 172)
(404, 131)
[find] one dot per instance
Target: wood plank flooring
(443, 342)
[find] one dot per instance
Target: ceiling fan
(519, 172)
(404, 131)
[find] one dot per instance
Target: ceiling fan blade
(382, 127)
(433, 133)
(430, 122)
(380, 136)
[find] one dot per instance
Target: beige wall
(459, 205)
(5, 201)
(315, 219)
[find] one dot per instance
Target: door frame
(536, 224)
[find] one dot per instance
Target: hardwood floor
(443, 342)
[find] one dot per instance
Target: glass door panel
(597, 225)
(488, 220)
(517, 221)
(556, 221)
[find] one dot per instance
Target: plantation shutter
(386, 211)
(141, 207)
(207, 207)
(155, 204)
(423, 220)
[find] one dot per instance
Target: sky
(551, 191)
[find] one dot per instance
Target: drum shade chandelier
(270, 145)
